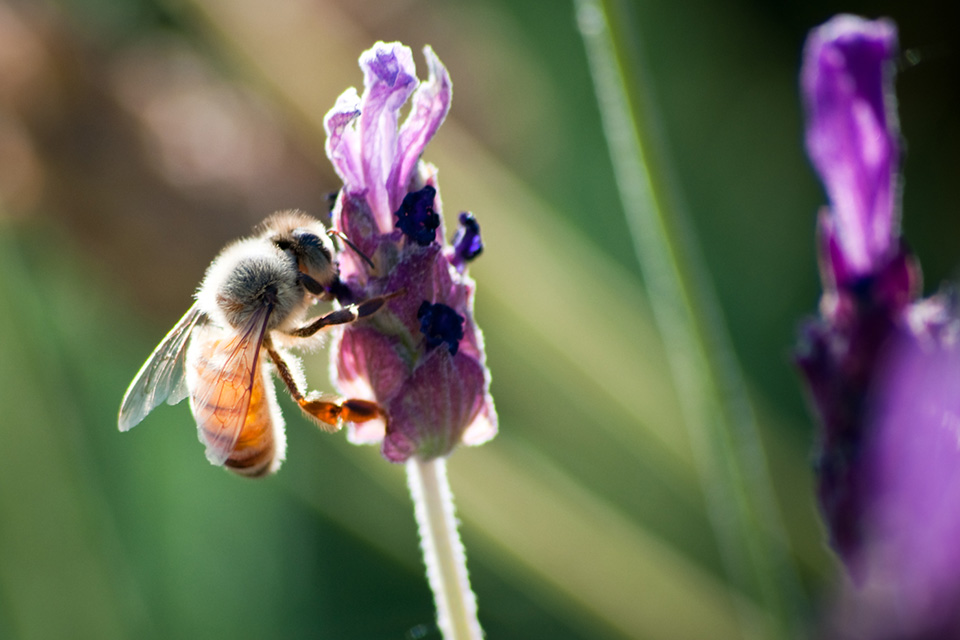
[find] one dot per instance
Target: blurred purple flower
(869, 278)
(435, 398)
(909, 561)
(911, 552)
(882, 366)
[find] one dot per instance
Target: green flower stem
(443, 552)
(719, 418)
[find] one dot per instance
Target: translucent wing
(161, 376)
(223, 369)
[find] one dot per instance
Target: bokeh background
(138, 137)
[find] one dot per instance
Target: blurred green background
(136, 138)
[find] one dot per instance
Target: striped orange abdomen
(234, 404)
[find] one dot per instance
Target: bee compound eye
(311, 247)
(305, 237)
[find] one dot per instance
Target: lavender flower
(869, 278)
(435, 397)
(882, 366)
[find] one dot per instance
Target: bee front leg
(328, 414)
(343, 316)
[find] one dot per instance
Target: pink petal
(852, 133)
(431, 103)
(343, 145)
(389, 79)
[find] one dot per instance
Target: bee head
(306, 242)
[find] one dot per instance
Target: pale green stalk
(717, 413)
(443, 552)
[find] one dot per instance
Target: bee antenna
(346, 240)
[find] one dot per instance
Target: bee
(253, 299)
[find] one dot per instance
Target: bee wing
(161, 376)
(220, 403)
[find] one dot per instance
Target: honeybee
(253, 298)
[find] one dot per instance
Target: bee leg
(343, 316)
(328, 414)
(313, 286)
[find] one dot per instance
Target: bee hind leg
(328, 414)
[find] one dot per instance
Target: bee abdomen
(254, 454)
(260, 442)
(255, 465)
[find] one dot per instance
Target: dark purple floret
(467, 243)
(417, 218)
(440, 325)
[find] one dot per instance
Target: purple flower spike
(390, 207)
(853, 137)
(882, 366)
